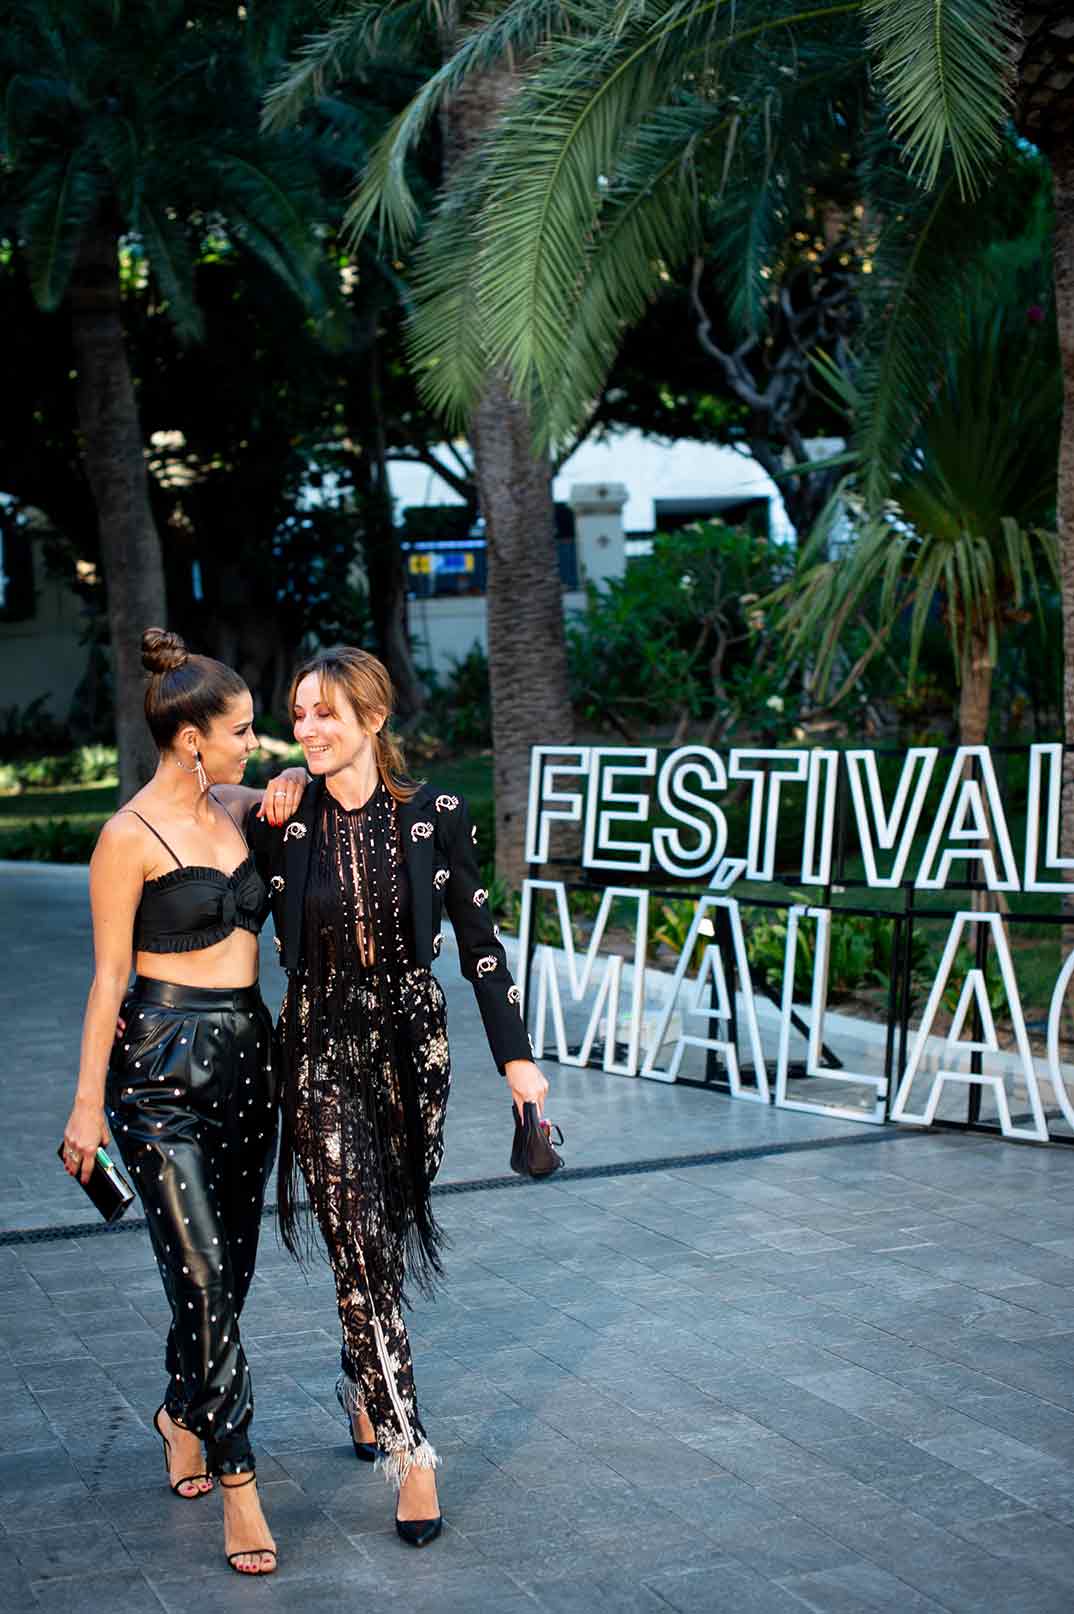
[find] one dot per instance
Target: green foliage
(675, 918)
(52, 840)
(860, 953)
(81, 765)
(948, 70)
(26, 731)
(995, 991)
(965, 524)
(149, 114)
(483, 818)
(459, 709)
(680, 637)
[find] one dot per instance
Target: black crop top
(192, 907)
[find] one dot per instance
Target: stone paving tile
(836, 1379)
(858, 1589)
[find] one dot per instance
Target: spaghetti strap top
(194, 906)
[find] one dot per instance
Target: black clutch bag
(532, 1153)
(107, 1188)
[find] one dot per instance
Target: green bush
(861, 952)
(681, 638)
(82, 765)
(459, 711)
(995, 991)
(26, 731)
(52, 840)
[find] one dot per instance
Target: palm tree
(527, 643)
(962, 531)
(1037, 73)
(130, 144)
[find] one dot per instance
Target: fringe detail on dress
(395, 1464)
(349, 1395)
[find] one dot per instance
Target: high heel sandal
(249, 1552)
(187, 1479)
(367, 1451)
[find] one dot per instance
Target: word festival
(936, 820)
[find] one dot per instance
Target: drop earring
(202, 776)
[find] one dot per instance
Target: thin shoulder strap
(238, 828)
(156, 832)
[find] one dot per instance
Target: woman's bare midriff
(231, 963)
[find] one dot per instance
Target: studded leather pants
(190, 1102)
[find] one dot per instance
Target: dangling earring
(203, 779)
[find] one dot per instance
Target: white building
(620, 491)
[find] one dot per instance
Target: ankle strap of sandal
(236, 1484)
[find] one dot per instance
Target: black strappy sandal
(249, 1552)
(187, 1479)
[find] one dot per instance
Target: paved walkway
(834, 1374)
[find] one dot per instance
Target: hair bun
(162, 651)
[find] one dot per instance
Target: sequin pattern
(368, 1081)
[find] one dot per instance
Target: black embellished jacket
(439, 842)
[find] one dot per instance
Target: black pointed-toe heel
(419, 1532)
(367, 1451)
(187, 1479)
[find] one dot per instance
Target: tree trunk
(1062, 157)
(114, 456)
(1045, 113)
(975, 699)
(975, 695)
(527, 643)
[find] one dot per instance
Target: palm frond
(33, 99)
(947, 69)
(352, 40)
(116, 143)
(445, 337)
(905, 307)
(648, 220)
(266, 214)
(172, 266)
(61, 204)
(384, 194)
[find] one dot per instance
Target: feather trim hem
(396, 1464)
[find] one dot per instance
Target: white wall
(650, 468)
(444, 631)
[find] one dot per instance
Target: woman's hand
(527, 1084)
(86, 1131)
(282, 796)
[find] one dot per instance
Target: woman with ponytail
(187, 1084)
(358, 880)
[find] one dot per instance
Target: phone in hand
(107, 1187)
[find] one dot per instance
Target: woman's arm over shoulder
(277, 802)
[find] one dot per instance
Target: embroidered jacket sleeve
(481, 954)
(266, 844)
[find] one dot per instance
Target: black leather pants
(191, 1105)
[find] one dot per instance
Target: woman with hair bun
(359, 878)
(187, 1083)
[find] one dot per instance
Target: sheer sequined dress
(365, 1083)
